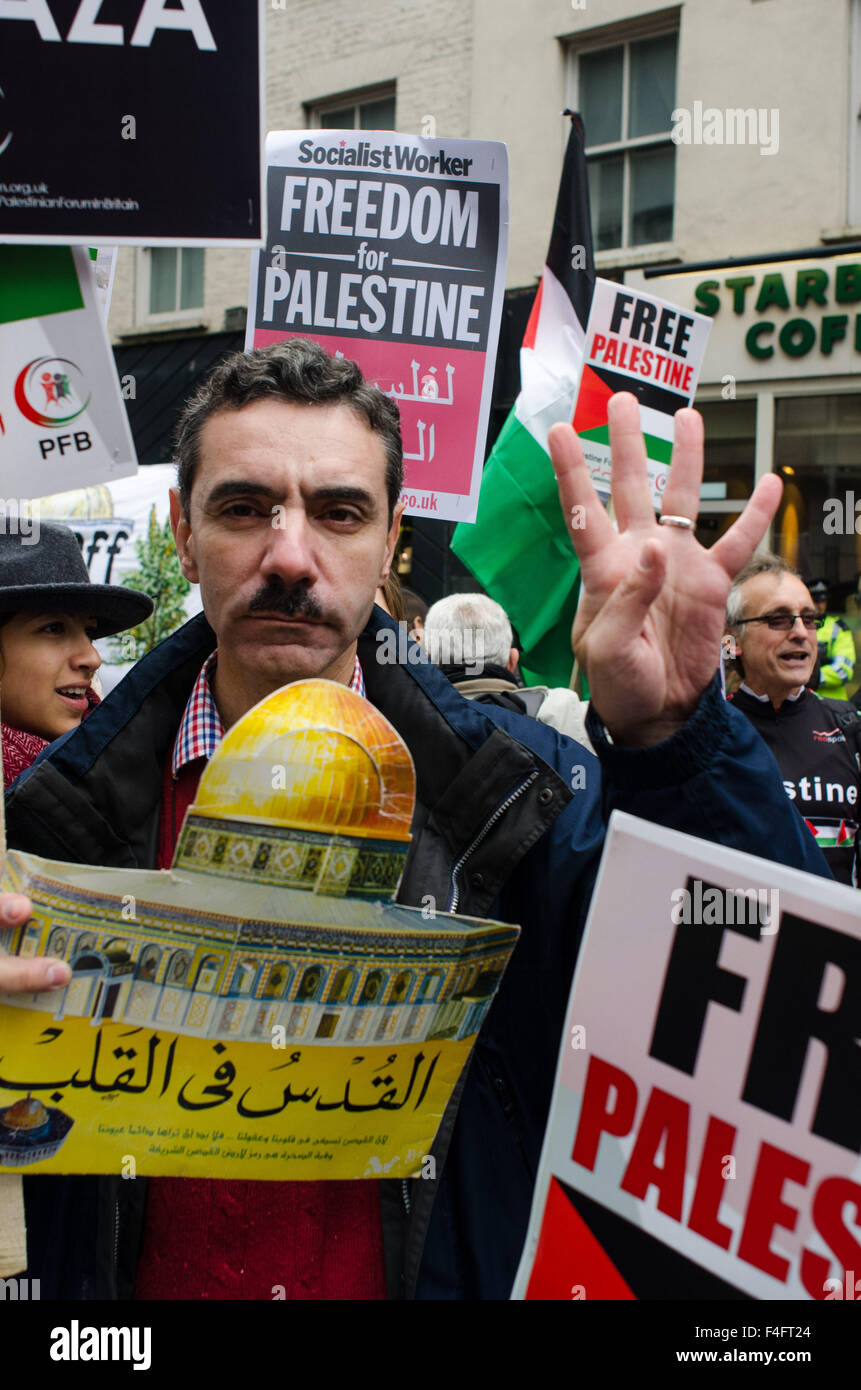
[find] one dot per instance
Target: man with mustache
(287, 514)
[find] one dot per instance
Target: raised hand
(25, 975)
(651, 615)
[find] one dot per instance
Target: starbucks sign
(773, 320)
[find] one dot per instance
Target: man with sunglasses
(772, 626)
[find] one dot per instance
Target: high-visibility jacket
(836, 657)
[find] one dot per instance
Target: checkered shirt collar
(201, 729)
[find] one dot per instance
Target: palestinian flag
(518, 548)
(832, 834)
(598, 384)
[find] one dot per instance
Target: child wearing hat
(50, 614)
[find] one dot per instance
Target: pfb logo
(51, 391)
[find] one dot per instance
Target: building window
(626, 95)
(171, 282)
(361, 111)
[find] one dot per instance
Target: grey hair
(763, 563)
(297, 371)
(464, 627)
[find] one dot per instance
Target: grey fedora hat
(51, 576)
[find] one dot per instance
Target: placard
(705, 1129)
(264, 1009)
(133, 123)
(636, 342)
(390, 250)
(63, 424)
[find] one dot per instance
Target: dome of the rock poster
(313, 756)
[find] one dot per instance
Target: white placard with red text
(639, 343)
(705, 1128)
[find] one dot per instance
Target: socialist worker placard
(704, 1132)
(390, 250)
(131, 121)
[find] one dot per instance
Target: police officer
(836, 646)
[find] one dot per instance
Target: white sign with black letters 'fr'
(705, 1131)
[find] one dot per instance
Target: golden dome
(25, 1114)
(313, 756)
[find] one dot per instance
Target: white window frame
(624, 146)
(363, 96)
(173, 317)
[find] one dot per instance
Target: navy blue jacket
(503, 829)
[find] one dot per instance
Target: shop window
(817, 451)
(373, 110)
(730, 434)
(626, 94)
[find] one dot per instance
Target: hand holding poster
(390, 250)
(705, 1128)
(636, 342)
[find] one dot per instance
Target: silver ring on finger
(683, 522)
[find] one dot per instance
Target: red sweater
(20, 748)
(249, 1240)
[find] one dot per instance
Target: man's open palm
(652, 610)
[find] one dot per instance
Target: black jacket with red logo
(819, 769)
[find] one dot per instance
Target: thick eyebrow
(346, 493)
(242, 487)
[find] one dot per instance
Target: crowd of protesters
(291, 425)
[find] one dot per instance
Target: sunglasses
(784, 622)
